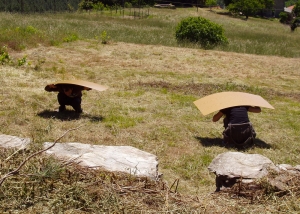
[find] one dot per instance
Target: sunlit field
(153, 82)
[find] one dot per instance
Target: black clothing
(235, 115)
(238, 129)
(73, 100)
(239, 134)
(64, 100)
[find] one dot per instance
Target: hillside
(149, 105)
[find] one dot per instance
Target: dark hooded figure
(68, 94)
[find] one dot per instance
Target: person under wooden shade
(70, 92)
(235, 107)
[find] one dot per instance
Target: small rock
(8, 141)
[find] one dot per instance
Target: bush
(285, 18)
(202, 31)
(295, 23)
(4, 56)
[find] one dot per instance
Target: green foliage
(200, 30)
(246, 7)
(249, 7)
(295, 23)
(28, 30)
(70, 8)
(211, 3)
(85, 5)
(290, 3)
(27, 6)
(296, 9)
(4, 56)
(99, 6)
(22, 61)
(285, 18)
(71, 38)
(127, 5)
(104, 37)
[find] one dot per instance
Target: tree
(290, 2)
(86, 5)
(296, 9)
(249, 7)
(211, 3)
(227, 2)
(295, 23)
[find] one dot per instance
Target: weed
(104, 37)
(22, 61)
(71, 38)
(4, 56)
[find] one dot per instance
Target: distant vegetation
(29, 6)
(290, 2)
(200, 31)
(256, 36)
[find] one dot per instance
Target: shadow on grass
(68, 115)
(208, 142)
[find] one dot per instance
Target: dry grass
(149, 105)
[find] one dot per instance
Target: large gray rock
(8, 141)
(113, 158)
(230, 166)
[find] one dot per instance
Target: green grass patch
(255, 36)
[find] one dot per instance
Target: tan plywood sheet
(218, 101)
(82, 83)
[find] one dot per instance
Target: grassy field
(149, 105)
(255, 36)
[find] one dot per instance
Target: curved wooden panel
(82, 83)
(218, 101)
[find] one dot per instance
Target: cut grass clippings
(149, 105)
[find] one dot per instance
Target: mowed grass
(149, 105)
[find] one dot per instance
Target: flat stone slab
(8, 141)
(237, 164)
(112, 158)
(230, 166)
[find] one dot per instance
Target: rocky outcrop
(113, 158)
(229, 167)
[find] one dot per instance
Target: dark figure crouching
(68, 94)
(238, 129)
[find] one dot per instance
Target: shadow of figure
(208, 142)
(261, 144)
(68, 115)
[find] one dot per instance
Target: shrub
(285, 17)
(4, 56)
(202, 31)
(104, 37)
(71, 38)
(99, 6)
(296, 9)
(295, 23)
